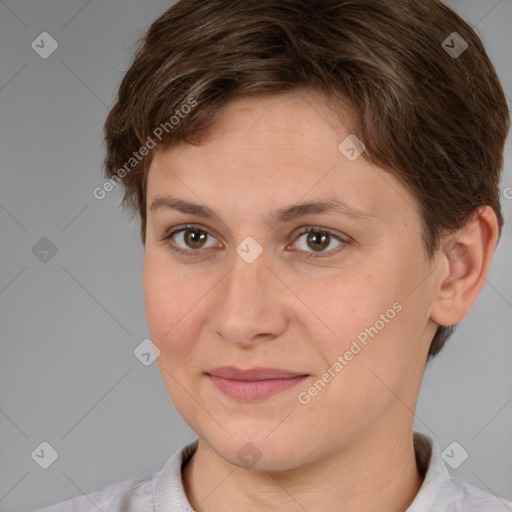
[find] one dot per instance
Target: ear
(464, 261)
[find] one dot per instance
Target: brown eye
(194, 238)
(318, 241)
(190, 240)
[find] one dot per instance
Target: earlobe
(464, 261)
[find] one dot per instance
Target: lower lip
(256, 389)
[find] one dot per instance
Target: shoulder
(133, 495)
(440, 492)
(464, 497)
(142, 494)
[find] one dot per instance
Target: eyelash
(308, 229)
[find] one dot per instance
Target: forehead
(292, 117)
(268, 150)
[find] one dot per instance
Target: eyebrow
(286, 214)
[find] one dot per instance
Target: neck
(376, 473)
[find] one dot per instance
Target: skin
(350, 448)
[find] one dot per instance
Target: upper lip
(233, 373)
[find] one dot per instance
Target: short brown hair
(435, 120)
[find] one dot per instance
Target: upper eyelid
(170, 232)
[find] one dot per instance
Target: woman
(317, 183)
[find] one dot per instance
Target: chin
(257, 452)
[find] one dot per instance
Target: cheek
(172, 311)
(172, 302)
(349, 303)
(366, 318)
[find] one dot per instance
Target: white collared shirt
(163, 490)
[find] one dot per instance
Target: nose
(249, 304)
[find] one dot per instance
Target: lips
(254, 383)
(252, 374)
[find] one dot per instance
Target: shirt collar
(433, 470)
(169, 493)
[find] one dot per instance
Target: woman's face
(341, 297)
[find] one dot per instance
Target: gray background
(69, 325)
